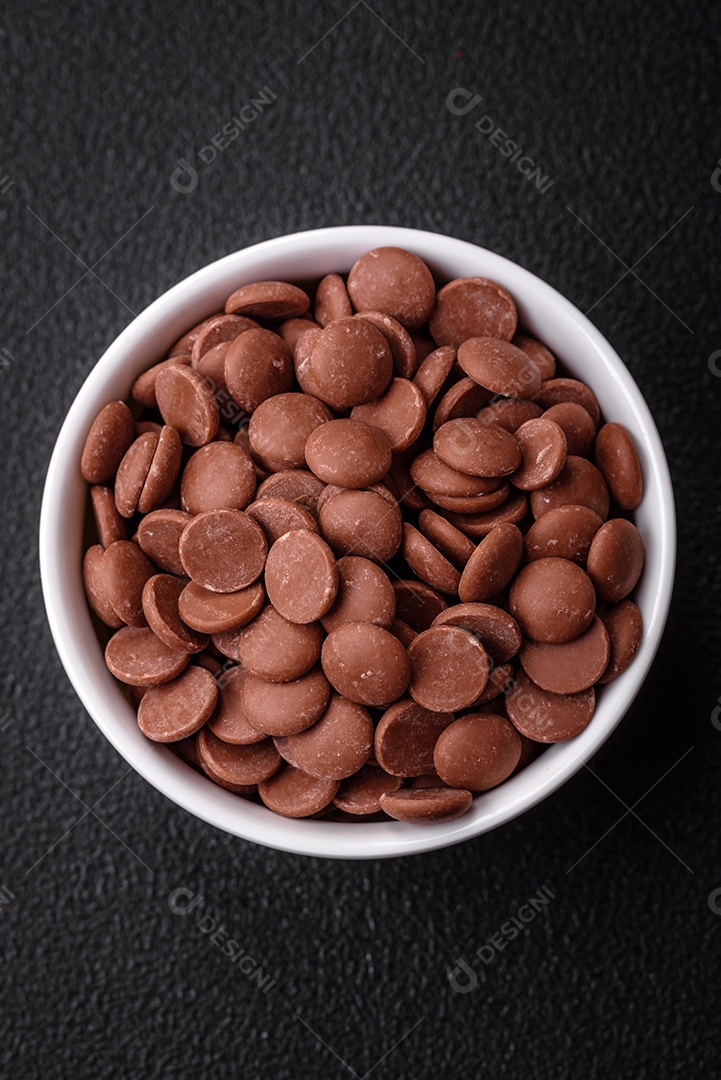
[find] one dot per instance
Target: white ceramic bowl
(543, 312)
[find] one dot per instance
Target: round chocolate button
(366, 664)
(449, 668)
(477, 752)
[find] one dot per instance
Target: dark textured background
(618, 975)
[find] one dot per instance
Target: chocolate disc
(477, 752)
(546, 717)
(237, 764)
(213, 612)
(159, 538)
(360, 794)
(110, 436)
(449, 540)
(617, 459)
(426, 805)
(400, 342)
(301, 578)
(279, 516)
(179, 708)
(395, 282)
(161, 594)
(543, 446)
(186, 402)
(497, 631)
(366, 664)
(427, 562)
(492, 564)
(331, 300)
(219, 476)
(258, 365)
(338, 744)
(296, 485)
(400, 414)
(577, 426)
(223, 550)
(472, 307)
(553, 600)
(449, 668)
(133, 472)
(137, 657)
(431, 473)
(433, 371)
(348, 453)
(268, 300)
(365, 594)
(465, 398)
(624, 625)
(96, 592)
(564, 533)
(125, 569)
(579, 483)
(276, 649)
(280, 427)
(615, 559)
(109, 523)
(229, 721)
(542, 357)
(349, 363)
(554, 391)
(499, 366)
(470, 446)
(406, 736)
(568, 668)
(295, 794)
(362, 523)
(286, 708)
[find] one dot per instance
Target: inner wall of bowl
(304, 256)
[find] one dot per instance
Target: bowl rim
(164, 770)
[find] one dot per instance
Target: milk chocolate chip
(449, 668)
(366, 664)
(331, 300)
(338, 744)
(223, 550)
(477, 752)
(617, 459)
(469, 445)
(219, 476)
(365, 594)
(258, 365)
(301, 578)
(178, 708)
(349, 363)
(553, 600)
(546, 717)
(500, 367)
(186, 402)
(395, 282)
(109, 438)
(406, 736)
(472, 307)
(268, 300)
(280, 427)
(286, 708)
(348, 453)
(431, 805)
(276, 649)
